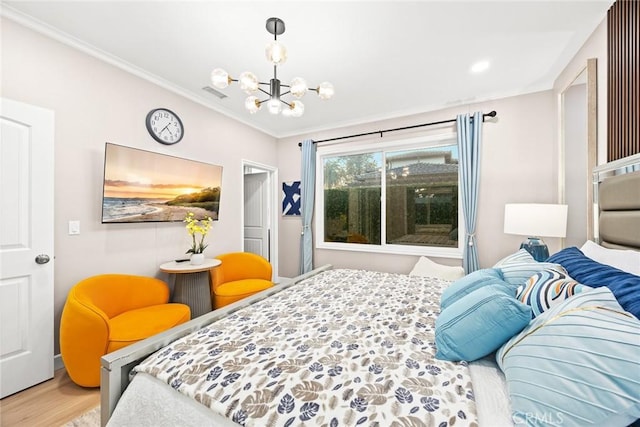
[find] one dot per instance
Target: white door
(256, 214)
(26, 243)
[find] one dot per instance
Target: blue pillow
(521, 256)
(517, 268)
(625, 286)
(479, 323)
(575, 365)
(469, 283)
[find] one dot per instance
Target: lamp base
(536, 247)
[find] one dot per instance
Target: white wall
(519, 159)
(96, 103)
(594, 47)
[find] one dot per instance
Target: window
(399, 197)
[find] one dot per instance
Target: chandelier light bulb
(252, 104)
(220, 78)
(274, 105)
(248, 82)
(297, 109)
(325, 90)
(298, 87)
(276, 53)
(294, 109)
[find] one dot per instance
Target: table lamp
(535, 221)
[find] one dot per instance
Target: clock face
(164, 126)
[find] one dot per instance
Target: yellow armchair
(107, 312)
(240, 275)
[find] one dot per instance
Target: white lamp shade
(276, 53)
(252, 104)
(325, 90)
(248, 82)
(297, 109)
(298, 87)
(220, 78)
(535, 220)
(274, 106)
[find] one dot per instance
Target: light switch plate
(74, 228)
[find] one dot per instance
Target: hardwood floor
(51, 403)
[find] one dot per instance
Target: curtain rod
(489, 114)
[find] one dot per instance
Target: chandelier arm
(285, 93)
(264, 91)
(285, 102)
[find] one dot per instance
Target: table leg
(193, 290)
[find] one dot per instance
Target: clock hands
(167, 129)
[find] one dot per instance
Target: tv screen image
(143, 186)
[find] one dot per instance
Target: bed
(351, 347)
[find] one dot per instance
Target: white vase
(196, 259)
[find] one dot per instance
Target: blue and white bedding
(570, 353)
(345, 347)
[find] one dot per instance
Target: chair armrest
(84, 337)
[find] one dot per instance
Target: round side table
(192, 284)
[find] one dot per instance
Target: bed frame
(616, 203)
(617, 225)
(115, 367)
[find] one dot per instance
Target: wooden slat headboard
(617, 203)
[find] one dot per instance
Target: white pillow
(625, 260)
(426, 267)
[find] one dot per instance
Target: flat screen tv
(143, 186)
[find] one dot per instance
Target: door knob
(42, 259)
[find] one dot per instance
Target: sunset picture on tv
(143, 186)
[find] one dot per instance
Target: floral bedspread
(343, 348)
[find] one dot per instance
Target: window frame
(428, 141)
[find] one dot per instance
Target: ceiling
(385, 58)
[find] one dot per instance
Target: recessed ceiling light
(480, 66)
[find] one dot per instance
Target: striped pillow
(576, 364)
(547, 288)
(517, 268)
(521, 256)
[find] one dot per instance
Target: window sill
(430, 251)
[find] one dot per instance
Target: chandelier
(249, 83)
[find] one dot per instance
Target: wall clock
(164, 126)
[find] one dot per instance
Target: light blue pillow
(517, 268)
(521, 256)
(469, 283)
(576, 364)
(479, 323)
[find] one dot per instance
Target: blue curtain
(469, 147)
(307, 195)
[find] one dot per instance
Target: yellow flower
(195, 227)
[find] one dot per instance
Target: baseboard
(57, 362)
